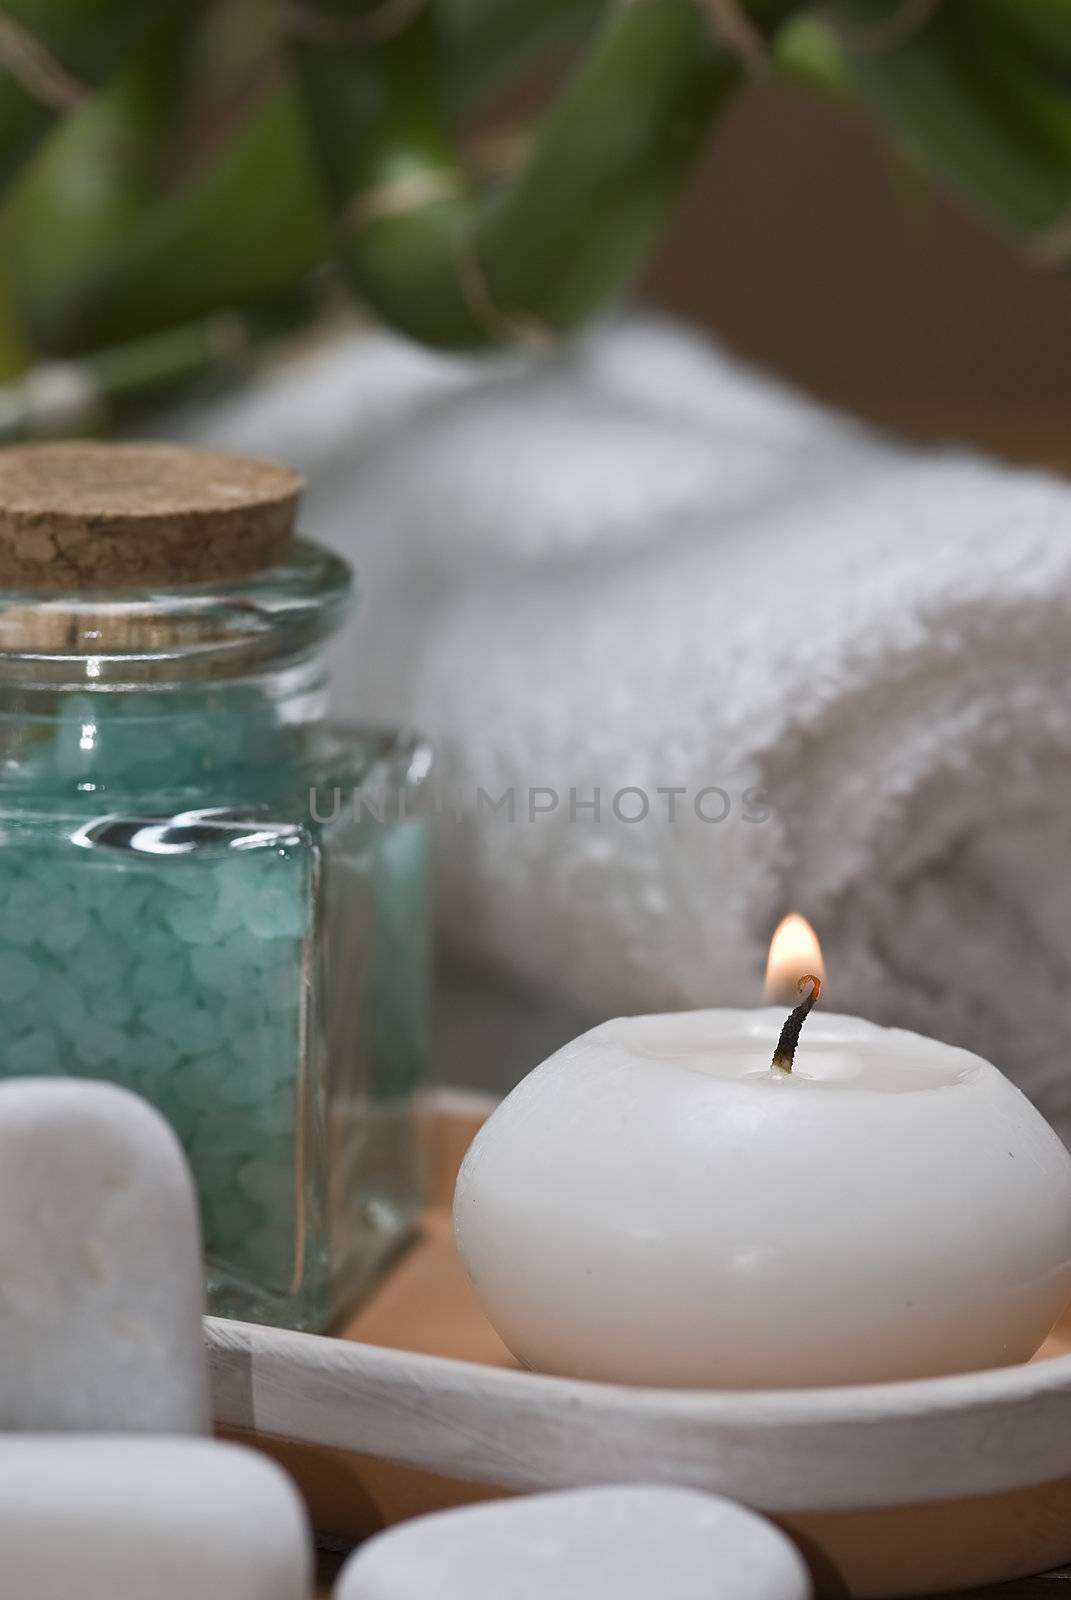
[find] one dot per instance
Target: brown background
(806, 246)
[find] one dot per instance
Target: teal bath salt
(209, 891)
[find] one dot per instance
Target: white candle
(659, 1204)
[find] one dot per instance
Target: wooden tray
(889, 1489)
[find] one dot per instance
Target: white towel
(636, 565)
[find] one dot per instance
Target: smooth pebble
(100, 1265)
(616, 1543)
(104, 1518)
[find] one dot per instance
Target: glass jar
(214, 895)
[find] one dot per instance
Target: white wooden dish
(889, 1489)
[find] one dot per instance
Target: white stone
(628, 1543)
(116, 1518)
(101, 1293)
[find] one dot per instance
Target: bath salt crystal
(99, 962)
(104, 1518)
(66, 1005)
(619, 1543)
(156, 977)
(19, 906)
(148, 1056)
(187, 919)
(19, 976)
(266, 1182)
(20, 1016)
(101, 1303)
(95, 885)
(114, 1006)
(240, 1086)
(165, 1018)
(63, 924)
(276, 911)
(34, 1053)
(228, 909)
(222, 970)
(183, 1118)
(200, 1031)
(119, 910)
(96, 1044)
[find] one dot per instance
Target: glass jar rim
(160, 634)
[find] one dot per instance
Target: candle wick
(785, 1053)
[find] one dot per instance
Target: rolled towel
(636, 568)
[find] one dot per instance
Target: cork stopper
(83, 517)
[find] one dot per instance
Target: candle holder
(907, 1488)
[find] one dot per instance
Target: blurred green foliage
(179, 177)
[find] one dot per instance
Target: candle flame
(794, 951)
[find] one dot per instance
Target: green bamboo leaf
(568, 231)
(486, 44)
(381, 130)
(242, 232)
(588, 207)
(54, 54)
(94, 262)
(15, 354)
(995, 134)
(809, 54)
(98, 172)
(1039, 30)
